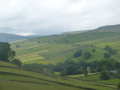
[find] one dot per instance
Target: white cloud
(56, 16)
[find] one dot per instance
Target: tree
(107, 55)
(106, 64)
(69, 67)
(93, 66)
(78, 71)
(92, 45)
(107, 48)
(17, 62)
(93, 50)
(6, 53)
(105, 75)
(113, 51)
(59, 67)
(87, 55)
(17, 46)
(11, 54)
(69, 70)
(77, 54)
(85, 71)
(110, 49)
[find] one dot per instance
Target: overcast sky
(27, 17)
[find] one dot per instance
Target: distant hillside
(67, 36)
(109, 32)
(57, 48)
(108, 28)
(73, 32)
(4, 37)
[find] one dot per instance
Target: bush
(105, 75)
(110, 49)
(69, 70)
(78, 71)
(17, 46)
(93, 50)
(87, 55)
(77, 54)
(17, 62)
(107, 55)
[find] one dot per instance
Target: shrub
(93, 50)
(87, 55)
(107, 55)
(110, 49)
(105, 75)
(77, 54)
(17, 62)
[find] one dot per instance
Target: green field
(92, 77)
(15, 78)
(43, 53)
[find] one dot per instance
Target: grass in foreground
(14, 78)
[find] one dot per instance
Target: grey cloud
(56, 16)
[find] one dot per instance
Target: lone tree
(107, 55)
(77, 54)
(87, 55)
(6, 53)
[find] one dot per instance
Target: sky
(46, 17)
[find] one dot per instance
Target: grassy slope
(57, 48)
(95, 78)
(45, 53)
(14, 78)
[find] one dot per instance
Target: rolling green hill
(58, 48)
(17, 78)
(109, 28)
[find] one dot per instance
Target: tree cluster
(86, 54)
(7, 54)
(110, 50)
(70, 67)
